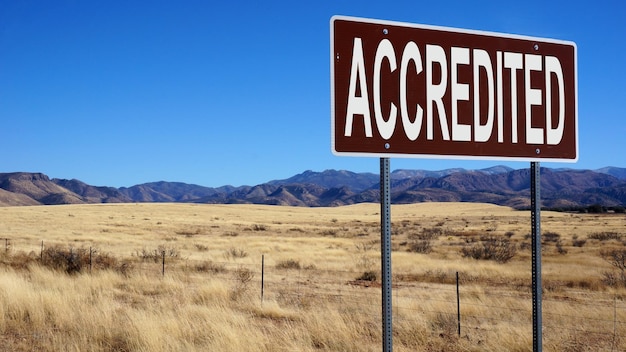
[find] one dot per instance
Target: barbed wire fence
(464, 308)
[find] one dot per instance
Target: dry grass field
(270, 278)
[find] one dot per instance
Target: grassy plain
(321, 277)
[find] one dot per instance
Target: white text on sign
(506, 63)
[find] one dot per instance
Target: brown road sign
(408, 90)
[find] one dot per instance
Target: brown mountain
(38, 188)
(560, 188)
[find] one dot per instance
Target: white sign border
(455, 30)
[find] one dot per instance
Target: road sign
(409, 90)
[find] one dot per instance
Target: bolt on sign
(409, 90)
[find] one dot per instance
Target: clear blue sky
(117, 93)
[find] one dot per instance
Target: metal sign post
(535, 218)
(385, 253)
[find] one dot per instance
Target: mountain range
(560, 188)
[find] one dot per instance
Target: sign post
(385, 250)
(409, 90)
(535, 219)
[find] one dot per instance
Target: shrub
(288, 264)
(331, 233)
(605, 236)
(369, 275)
(258, 227)
(445, 324)
(617, 259)
(243, 276)
(363, 258)
(233, 253)
(74, 260)
(493, 248)
(549, 236)
(19, 260)
(201, 247)
(157, 254)
(209, 266)
(430, 233)
(421, 246)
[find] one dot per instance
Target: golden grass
(209, 298)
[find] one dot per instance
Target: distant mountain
(333, 178)
(618, 172)
(168, 192)
(93, 194)
(560, 188)
(36, 186)
(404, 174)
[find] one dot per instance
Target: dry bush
(211, 267)
(74, 260)
(201, 247)
(19, 260)
(157, 254)
(363, 257)
(288, 264)
(369, 275)
(235, 253)
(493, 248)
(445, 325)
(330, 233)
(550, 236)
(421, 246)
(605, 236)
(428, 233)
(259, 227)
(617, 259)
(242, 276)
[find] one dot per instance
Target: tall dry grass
(209, 297)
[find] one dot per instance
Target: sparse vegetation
(210, 266)
(202, 247)
(617, 259)
(322, 279)
(499, 249)
(235, 253)
(288, 264)
(369, 275)
(243, 276)
(421, 246)
(605, 236)
(157, 254)
(74, 260)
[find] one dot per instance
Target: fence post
(262, 275)
(6, 244)
(614, 322)
(458, 305)
(41, 253)
(90, 260)
(163, 270)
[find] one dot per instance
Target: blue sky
(117, 93)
